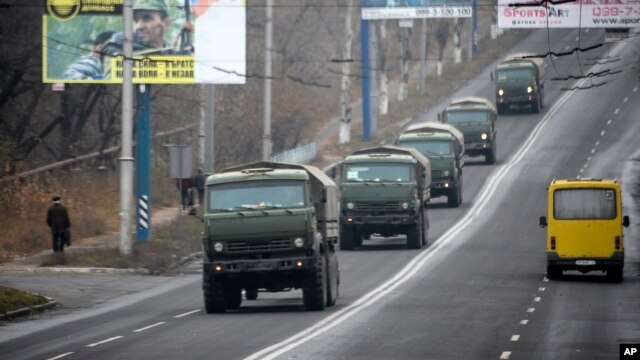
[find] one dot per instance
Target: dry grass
(12, 299)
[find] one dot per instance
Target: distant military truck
(384, 191)
(476, 118)
(270, 227)
(519, 81)
(443, 144)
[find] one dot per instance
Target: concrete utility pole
(423, 56)
(209, 126)
(266, 135)
(126, 157)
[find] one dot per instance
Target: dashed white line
(602, 133)
(541, 289)
(625, 100)
(537, 299)
(524, 322)
(616, 111)
(581, 171)
(505, 355)
(589, 158)
(635, 89)
(104, 341)
(545, 279)
(597, 143)
(149, 327)
(60, 356)
(586, 165)
(567, 48)
(515, 337)
(609, 122)
(530, 310)
(593, 151)
(187, 313)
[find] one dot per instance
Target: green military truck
(443, 144)
(476, 118)
(270, 227)
(519, 81)
(384, 191)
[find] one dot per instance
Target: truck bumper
(383, 220)
(442, 187)
(520, 99)
(586, 264)
(230, 267)
(477, 148)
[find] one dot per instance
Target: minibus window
(576, 204)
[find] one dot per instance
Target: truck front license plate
(585, 262)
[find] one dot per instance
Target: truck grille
(470, 138)
(435, 174)
(521, 91)
(244, 246)
(378, 206)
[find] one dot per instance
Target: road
(477, 292)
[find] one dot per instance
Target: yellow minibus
(584, 227)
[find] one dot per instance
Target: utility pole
(266, 135)
(423, 57)
(126, 157)
(209, 151)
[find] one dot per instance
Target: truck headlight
(405, 205)
(484, 136)
(529, 89)
(298, 242)
(446, 173)
(500, 92)
(350, 206)
(218, 247)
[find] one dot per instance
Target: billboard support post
(366, 90)
(143, 163)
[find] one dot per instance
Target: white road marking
(545, 279)
(187, 313)
(149, 327)
(524, 322)
(370, 298)
(537, 299)
(587, 165)
(541, 289)
(616, 111)
(105, 341)
(593, 151)
(609, 122)
(515, 337)
(581, 171)
(530, 310)
(602, 133)
(625, 100)
(597, 143)
(505, 355)
(60, 356)
(589, 158)
(635, 89)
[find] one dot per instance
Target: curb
(29, 310)
(77, 270)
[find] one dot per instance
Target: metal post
(366, 91)
(266, 135)
(474, 37)
(126, 158)
(143, 162)
(209, 150)
(423, 56)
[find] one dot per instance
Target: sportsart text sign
(581, 14)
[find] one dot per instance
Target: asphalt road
(477, 292)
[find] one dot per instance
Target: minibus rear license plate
(585, 262)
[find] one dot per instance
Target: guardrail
(300, 155)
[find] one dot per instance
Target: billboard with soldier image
(82, 41)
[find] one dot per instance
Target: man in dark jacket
(59, 223)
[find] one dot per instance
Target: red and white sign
(519, 14)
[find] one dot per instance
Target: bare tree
(345, 78)
(442, 35)
(404, 37)
(383, 45)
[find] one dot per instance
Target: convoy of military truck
(275, 227)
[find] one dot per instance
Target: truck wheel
(346, 238)
(314, 293)
(214, 296)
(357, 238)
(425, 229)
(553, 272)
(332, 282)
(490, 156)
(414, 236)
(502, 109)
(251, 293)
(535, 106)
(454, 198)
(234, 297)
(615, 274)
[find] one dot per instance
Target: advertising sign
(414, 9)
(174, 41)
(514, 14)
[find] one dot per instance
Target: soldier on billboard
(90, 66)
(151, 21)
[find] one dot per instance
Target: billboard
(519, 14)
(414, 9)
(174, 41)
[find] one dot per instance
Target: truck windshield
(357, 172)
(430, 148)
(582, 204)
(459, 117)
(256, 195)
(514, 74)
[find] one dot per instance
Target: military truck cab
(270, 227)
(384, 191)
(584, 227)
(443, 145)
(475, 118)
(520, 82)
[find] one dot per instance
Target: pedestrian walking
(198, 182)
(59, 223)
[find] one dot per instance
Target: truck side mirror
(625, 221)
(543, 221)
(333, 172)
